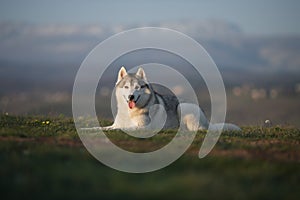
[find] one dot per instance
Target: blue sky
(255, 17)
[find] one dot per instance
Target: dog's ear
(122, 74)
(141, 73)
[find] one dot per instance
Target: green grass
(43, 158)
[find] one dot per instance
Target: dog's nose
(130, 97)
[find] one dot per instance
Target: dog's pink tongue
(131, 104)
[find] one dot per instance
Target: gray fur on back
(171, 104)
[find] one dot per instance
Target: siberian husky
(139, 106)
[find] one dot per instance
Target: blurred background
(255, 44)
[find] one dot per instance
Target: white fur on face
(132, 87)
(133, 84)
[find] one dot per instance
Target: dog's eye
(126, 87)
(136, 87)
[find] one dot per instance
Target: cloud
(27, 42)
(283, 54)
(225, 42)
(21, 41)
(48, 30)
(205, 29)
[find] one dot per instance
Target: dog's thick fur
(139, 106)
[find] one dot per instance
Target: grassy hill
(43, 158)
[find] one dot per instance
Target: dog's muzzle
(130, 97)
(131, 101)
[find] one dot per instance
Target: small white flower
(267, 121)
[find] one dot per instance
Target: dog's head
(133, 88)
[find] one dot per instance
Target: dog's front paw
(107, 128)
(92, 128)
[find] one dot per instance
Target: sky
(236, 33)
(255, 17)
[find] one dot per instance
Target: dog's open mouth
(132, 103)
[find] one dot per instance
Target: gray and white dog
(139, 106)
